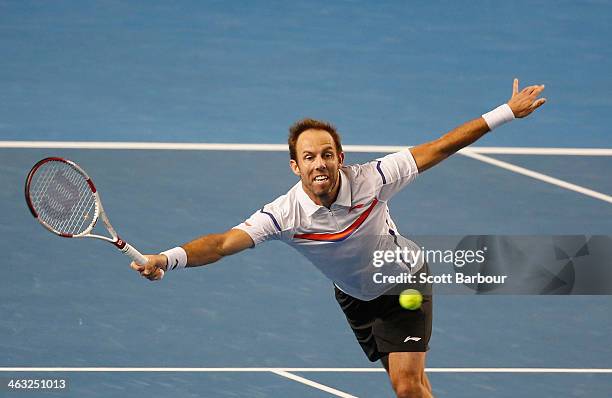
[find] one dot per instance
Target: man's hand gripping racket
(63, 198)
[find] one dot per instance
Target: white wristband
(498, 116)
(177, 258)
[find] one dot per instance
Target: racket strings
(70, 191)
(85, 202)
(62, 198)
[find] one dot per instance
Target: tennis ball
(411, 299)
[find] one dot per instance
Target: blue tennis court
(264, 323)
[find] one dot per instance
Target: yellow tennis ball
(411, 299)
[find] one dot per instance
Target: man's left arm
(521, 104)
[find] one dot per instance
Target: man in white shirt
(337, 216)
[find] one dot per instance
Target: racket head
(62, 197)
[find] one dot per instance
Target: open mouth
(321, 178)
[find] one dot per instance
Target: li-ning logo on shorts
(410, 338)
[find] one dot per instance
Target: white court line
(500, 150)
(283, 147)
(324, 370)
(539, 176)
(472, 152)
(313, 384)
(284, 372)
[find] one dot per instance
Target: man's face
(318, 164)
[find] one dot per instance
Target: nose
(319, 164)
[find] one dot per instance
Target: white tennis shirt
(340, 241)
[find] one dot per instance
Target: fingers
(528, 90)
(515, 87)
(538, 104)
(533, 94)
(538, 89)
(136, 267)
(155, 275)
(533, 90)
(151, 270)
(526, 101)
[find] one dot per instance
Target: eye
(329, 155)
(308, 157)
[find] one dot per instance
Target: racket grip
(138, 258)
(134, 254)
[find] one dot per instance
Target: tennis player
(331, 215)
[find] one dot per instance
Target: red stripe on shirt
(338, 236)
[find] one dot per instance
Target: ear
(341, 158)
(294, 167)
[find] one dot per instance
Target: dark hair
(306, 124)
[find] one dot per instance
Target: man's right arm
(201, 251)
(210, 248)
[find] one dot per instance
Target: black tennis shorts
(383, 326)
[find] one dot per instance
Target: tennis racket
(63, 198)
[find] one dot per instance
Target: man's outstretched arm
(431, 153)
(201, 251)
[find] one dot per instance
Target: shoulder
(284, 202)
(362, 173)
(355, 171)
(401, 163)
(284, 208)
(382, 176)
(362, 180)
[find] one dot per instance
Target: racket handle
(134, 254)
